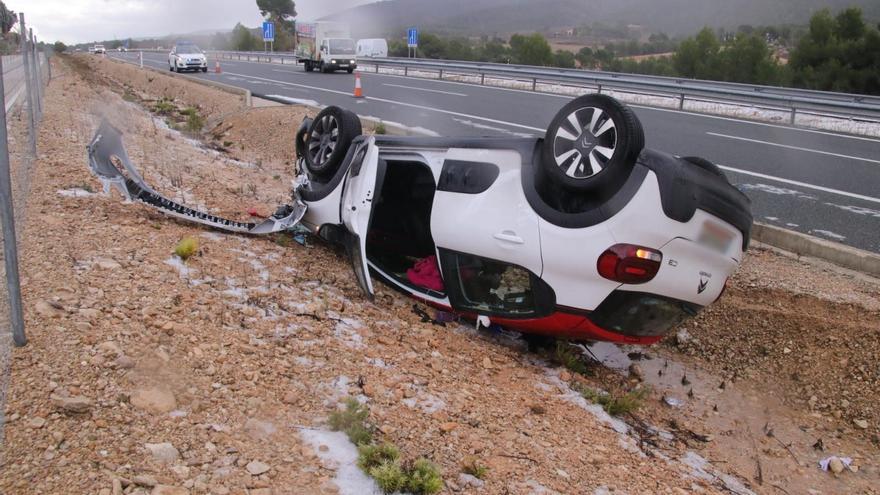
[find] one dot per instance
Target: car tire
(301, 139)
(328, 140)
(705, 165)
(592, 144)
(204, 69)
(307, 66)
(350, 71)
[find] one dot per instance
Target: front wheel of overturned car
(328, 140)
(592, 144)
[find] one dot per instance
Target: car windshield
(188, 49)
(342, 47)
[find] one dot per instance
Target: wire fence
(25, 76)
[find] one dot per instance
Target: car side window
(492, 287)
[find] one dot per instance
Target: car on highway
(582, 234)
(121, 49)
(187, 56)
(99, 50)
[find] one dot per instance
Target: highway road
(821, 183)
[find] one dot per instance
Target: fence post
(38, 86)
(28, 82)
(10, 248)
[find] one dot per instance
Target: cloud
(79, 21)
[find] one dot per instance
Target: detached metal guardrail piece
(793, 100)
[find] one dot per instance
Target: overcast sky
(78, 21)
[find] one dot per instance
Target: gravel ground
(146, 374)
(226, 356)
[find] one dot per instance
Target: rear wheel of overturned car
(328, 140)
(592, 144)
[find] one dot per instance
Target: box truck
(371, 48)
(325, 46)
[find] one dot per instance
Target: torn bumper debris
(106, 151)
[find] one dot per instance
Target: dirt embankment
(216, 375)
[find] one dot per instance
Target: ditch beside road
(234, 355)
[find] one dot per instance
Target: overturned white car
(581, 234)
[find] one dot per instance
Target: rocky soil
(147, 374)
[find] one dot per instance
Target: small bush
(187, 247)
(471, 465)
(194, 121)
(380, 128)
(567, 357)
(389, 476)
(424, 478)
(615, 405)
(353, 422)
(370, 456)
(164, 107)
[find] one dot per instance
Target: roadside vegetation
(833, 53)
(383, 461)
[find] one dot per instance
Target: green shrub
(389, 476)
(187, 247)
(380, 128)
(567, 357)
(370, 456)
(471, 465)
(194, 121)
(424, 478)
(353, 422)
(615, 405)
(164, 107)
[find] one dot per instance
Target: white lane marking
(393, 102)
(645, 107)
(424, 89)
(802, 184)
(798, 148)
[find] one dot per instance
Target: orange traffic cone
(217, 69)
(358, 89)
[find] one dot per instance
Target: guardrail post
(482, 79)
(405, 70)
(28, 83)
(141, 57)
(376, 67)
(10, 248)
(681, 102)
(599, 89)
(793, 113)
(534, 84)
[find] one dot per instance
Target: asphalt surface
(820, 183)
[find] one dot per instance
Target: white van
(372, 48)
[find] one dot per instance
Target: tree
(697, 57)
(243, 39)
(748, 60)
(284, 10)
(59, 47)
(7, 19)
(281, 12)
(564, 59)
(531, 49)
(849, 24)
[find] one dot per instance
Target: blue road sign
(412, 37)
(268, 31)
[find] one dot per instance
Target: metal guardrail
(793, 100)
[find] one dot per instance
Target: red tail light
(629, 264)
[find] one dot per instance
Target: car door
(362, 185)
(487, 236)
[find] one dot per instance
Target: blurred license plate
(344, 66)
(715, 237)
